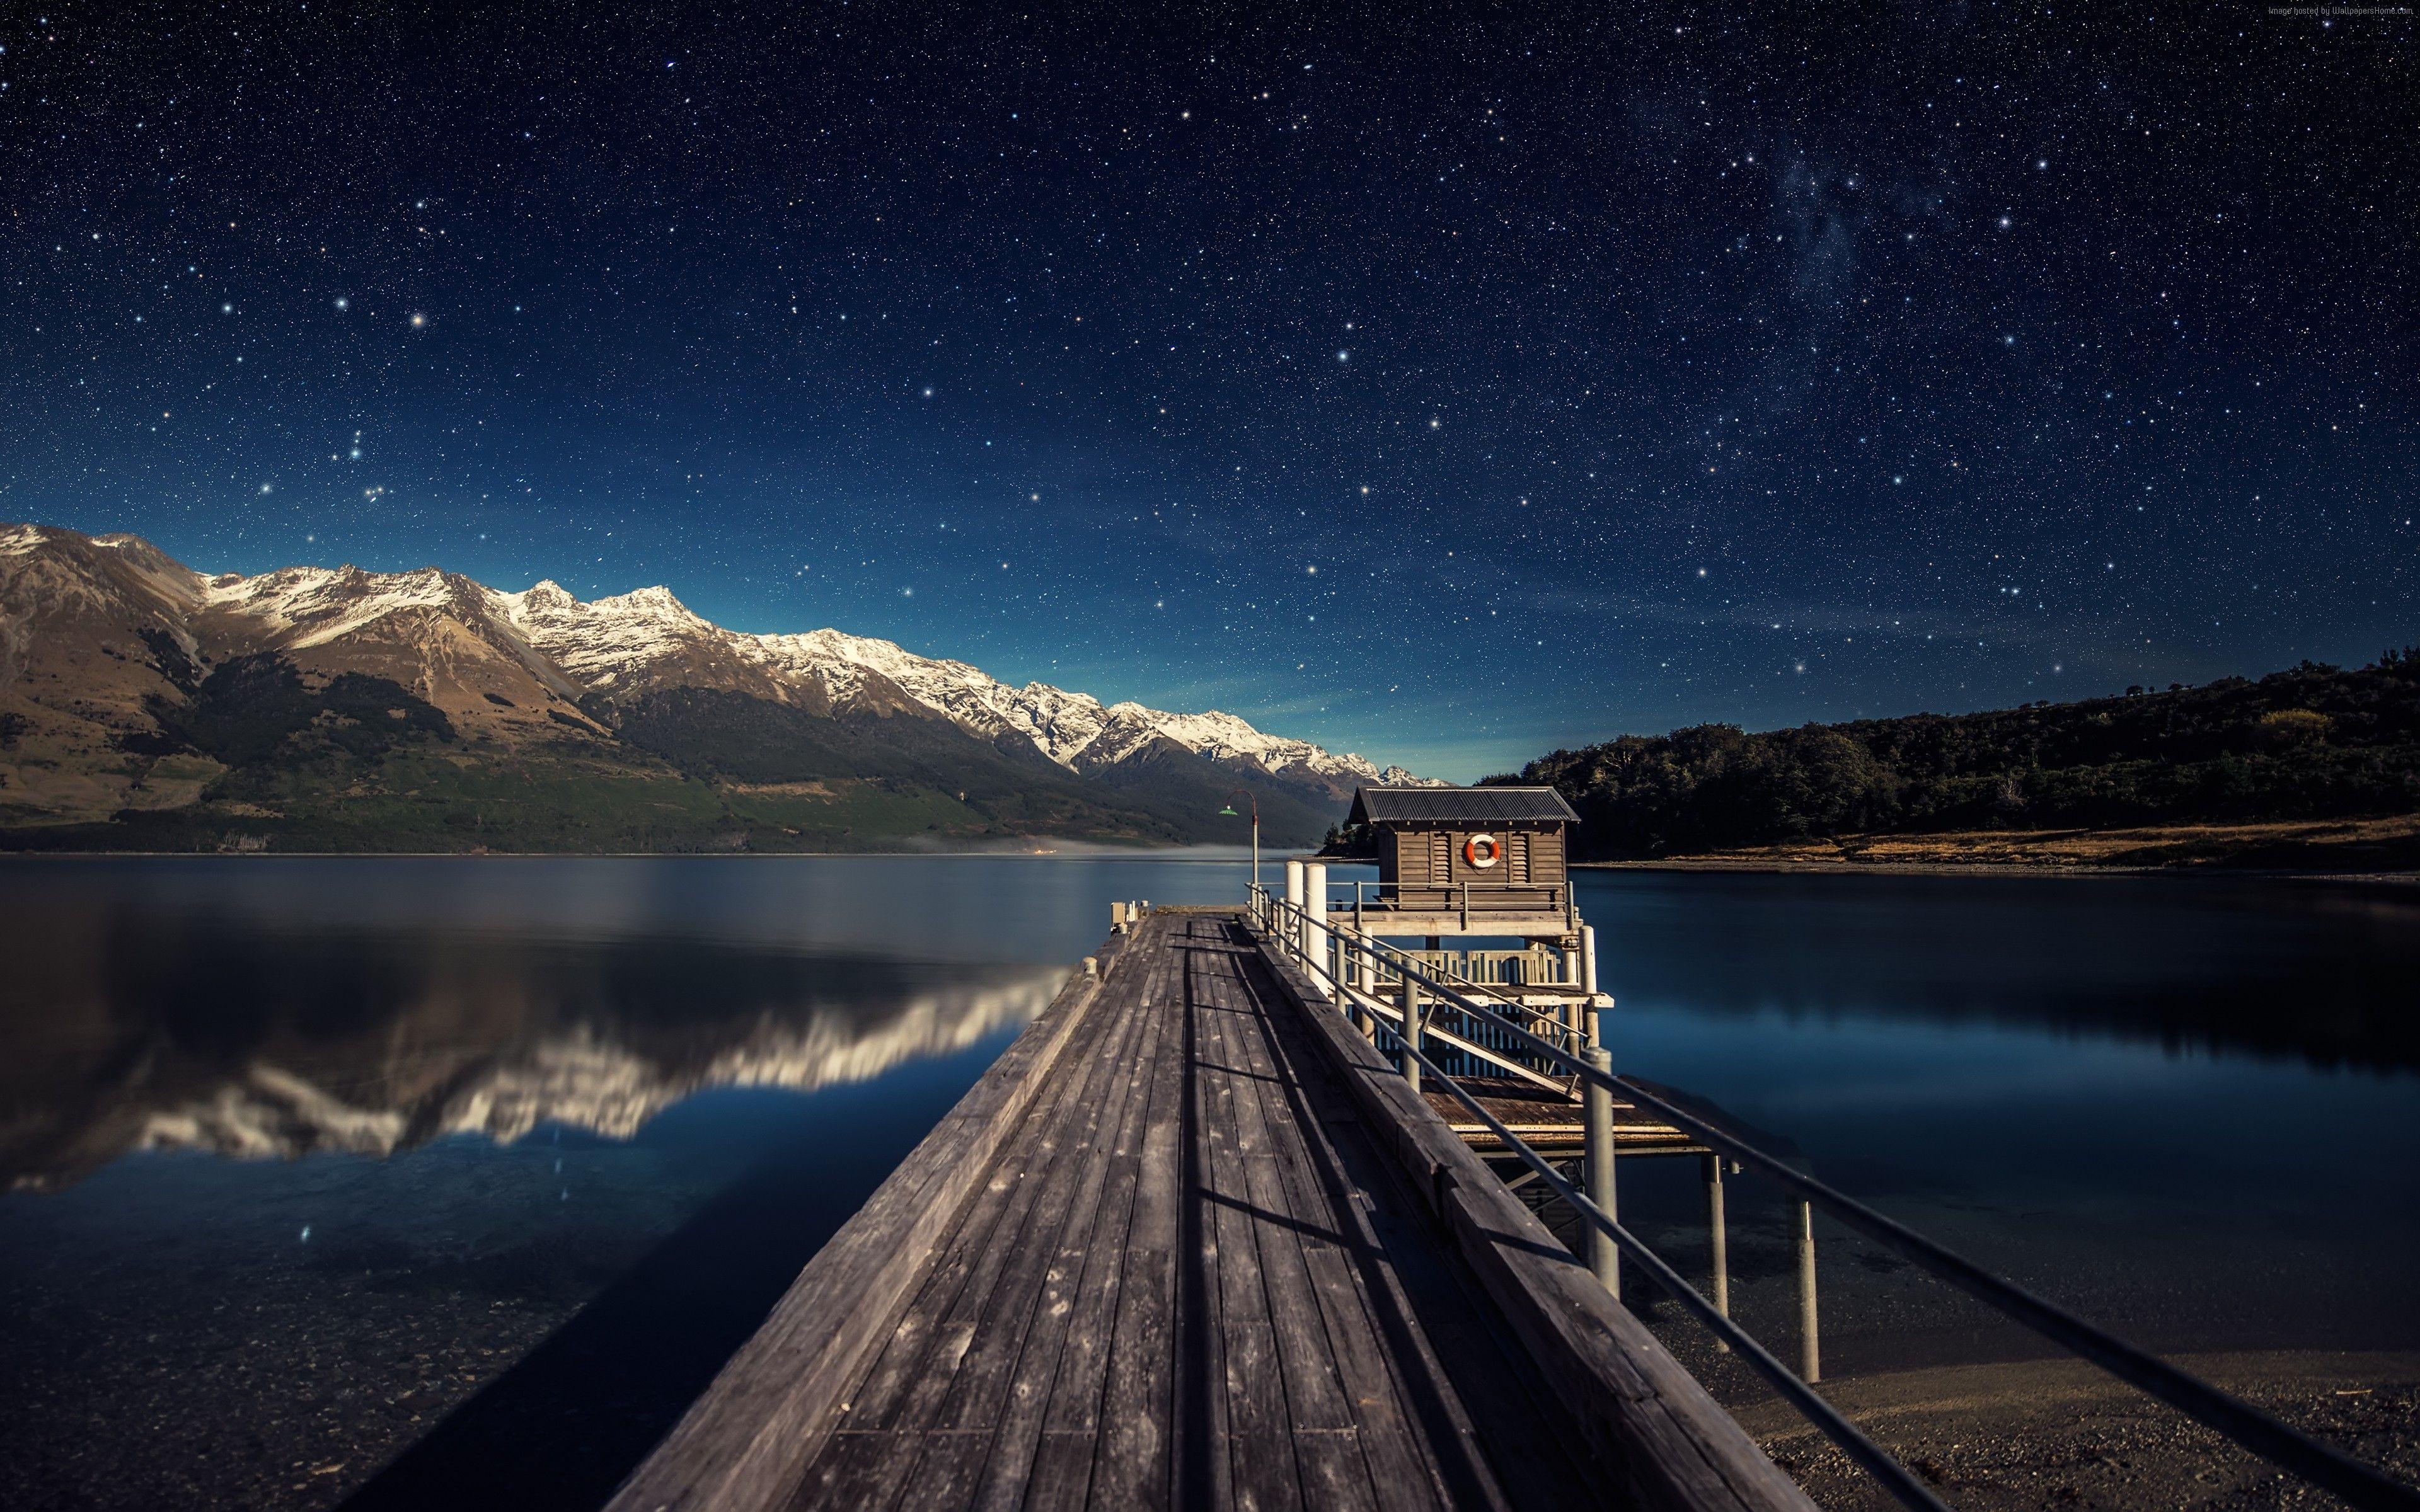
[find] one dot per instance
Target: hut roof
(1459, 806)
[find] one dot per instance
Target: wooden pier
(1192, 1243)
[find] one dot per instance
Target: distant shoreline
(2374, 848)
(1219, 855)
(621, 856)
(1749, 866)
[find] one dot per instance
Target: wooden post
(1810, 1358)
(1604, 1257)
(1588, 959)
(1363, 1018)
(1722, 1243)
(1596, 1103)
(1406, 1058)
(1314, 924)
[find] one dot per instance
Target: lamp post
(1228, 812)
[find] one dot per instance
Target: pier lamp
(1228, 812)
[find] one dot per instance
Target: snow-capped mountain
(630, 639)
(108, 645)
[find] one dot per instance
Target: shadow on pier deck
(1192, 1242)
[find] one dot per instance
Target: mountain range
(146, 705)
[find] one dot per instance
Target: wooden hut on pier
(1484, 861)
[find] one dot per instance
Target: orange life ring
(1483, 850)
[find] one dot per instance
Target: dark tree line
(2313, 742)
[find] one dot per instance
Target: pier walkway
(1191, 1243)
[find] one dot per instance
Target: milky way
(1447, 384)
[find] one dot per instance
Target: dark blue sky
(1614, 370)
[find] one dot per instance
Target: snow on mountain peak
(651, 602)
(1069, 727)
(649, 636)
(325, 603)
(604, 641)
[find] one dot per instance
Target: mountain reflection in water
(260, 1043)
(390, 1177)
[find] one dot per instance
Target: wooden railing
(1367, 899)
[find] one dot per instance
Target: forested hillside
(2313, 742)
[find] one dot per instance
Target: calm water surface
(390, 1178)
(2189, 1107)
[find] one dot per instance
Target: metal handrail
(2262, 1433)
(1896, 1478)
(1381, 949)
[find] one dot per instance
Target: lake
(383, 1179)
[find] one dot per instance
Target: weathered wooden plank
(1134, 1464)
(881, 1400)
(948, 1470)
(1328, 1416)
(1335, 1477)
(1257, 1442)
(1027, 1279)
(1021, 1400)
(1659, 1435)
(1062, 1473)
(1490, 1438)
(895, 1401)
(1315, 1400)
(1209, 1257)
(1335, 1249)
(852, 1470)
(951, 1409)
(936, 1327)
(750, 1436)
(1076, 1385)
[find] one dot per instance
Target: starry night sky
(1446, 384)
